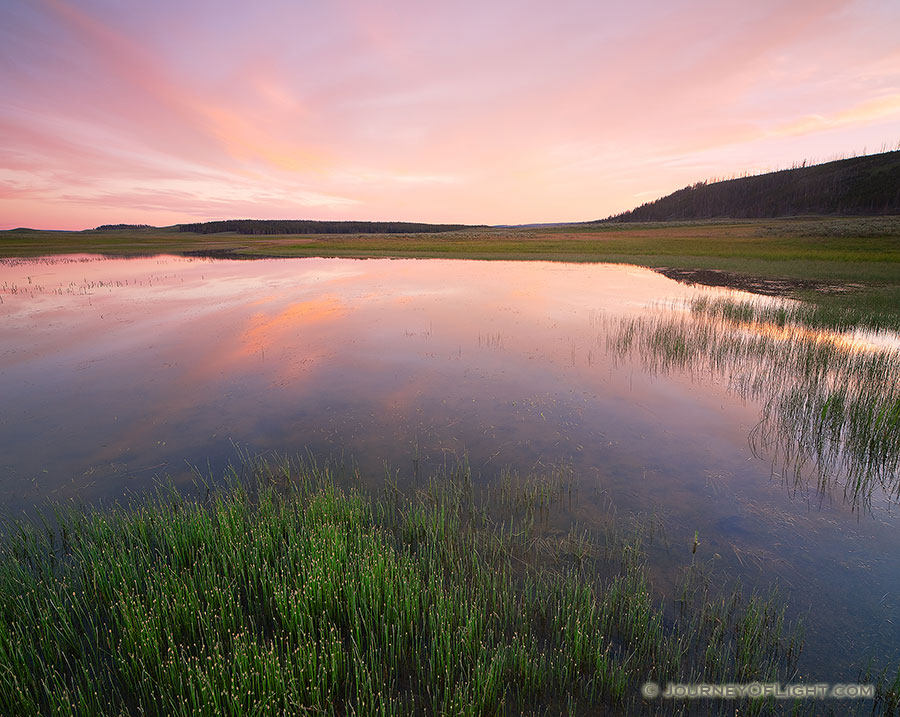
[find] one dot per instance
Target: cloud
(476, 112)
(873, 110)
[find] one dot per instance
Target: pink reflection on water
(112, 370)
(150, 344)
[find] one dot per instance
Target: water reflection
(114, 371)
(830, 401)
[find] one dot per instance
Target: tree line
(857, 186)
(304, 226)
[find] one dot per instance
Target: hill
(119, 227)
(303, 226)
(867, 185)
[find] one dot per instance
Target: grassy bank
(802, 248)
(285, 595)
(819, 255)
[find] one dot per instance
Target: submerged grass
(830, 405)
(286, 595)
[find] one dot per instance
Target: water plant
(834, 315)
(283, 593)
(830, 401)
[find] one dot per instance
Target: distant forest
(303, 226)
(111, 227)
(857, 186)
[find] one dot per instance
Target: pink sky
(479, 112)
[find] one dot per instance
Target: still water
(116, 372)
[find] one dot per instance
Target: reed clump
(830, 401)
(839, 314)
(283, 593)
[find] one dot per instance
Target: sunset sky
(472, 111)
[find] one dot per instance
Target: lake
(117, 374)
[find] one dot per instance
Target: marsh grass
(887, 690)
(837, 314)
(284, 594)
(830, 406)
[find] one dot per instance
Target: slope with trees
(867, 185)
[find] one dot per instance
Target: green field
(860, 253)
(802, 248)
(848, 266)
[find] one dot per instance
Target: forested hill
(862, 185)
(304, 226)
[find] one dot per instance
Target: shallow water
(116, 371)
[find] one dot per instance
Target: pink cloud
(475, 112)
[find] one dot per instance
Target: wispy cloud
(873, 110)
(473, 112)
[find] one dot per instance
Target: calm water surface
(114, 372)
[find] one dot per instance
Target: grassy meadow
(846, 263)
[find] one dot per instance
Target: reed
(283, 593)
(830, 403)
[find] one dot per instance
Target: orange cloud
(873, 110)
(475, 113)
(245, 140)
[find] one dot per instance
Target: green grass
(836, 315)
(859, 251)
(874, 307)
(834, 241)
(830, 411)
(286, 595)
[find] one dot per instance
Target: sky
(127, 111)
